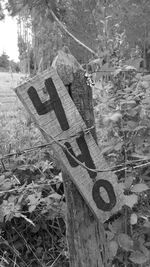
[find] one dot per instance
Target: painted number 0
(100, 203)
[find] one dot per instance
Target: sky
(8, 37)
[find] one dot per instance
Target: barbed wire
(122, 167)
(28, 150)
(64, 148)
(112, 71)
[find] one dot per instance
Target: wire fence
(127, 166)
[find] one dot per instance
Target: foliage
(1, 12)
(108, 27)
(115, 30)
(32, 205)
(14, 66)
(101, 25)
(4, 61)
(6, 64)
(122, 110)
(47, 41)
(132, 17)
(78, 16)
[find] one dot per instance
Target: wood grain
(49, 123)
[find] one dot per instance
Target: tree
(91, 22)
(14, 66)
(46, 14)
(4, 61)
(138, 33)
(132, 16)
(1, 11)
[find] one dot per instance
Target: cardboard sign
(48, 102)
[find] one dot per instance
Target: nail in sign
(48, 102)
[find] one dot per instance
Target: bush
(32, 204)
(6, 64)
(4, 61)
(123, 113)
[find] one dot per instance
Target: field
(13, 117)
(8, 99)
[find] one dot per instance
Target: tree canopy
(90, 28)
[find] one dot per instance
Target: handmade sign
(48, 102)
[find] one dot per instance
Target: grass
(15, 131)
(8, 99)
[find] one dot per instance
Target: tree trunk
(85, 235)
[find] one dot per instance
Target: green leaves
(138, 257)
(133, 219)
(127, 146)
(113, 247)
(9, 209)
(33, 201)
(30, 194)
(139, 188)
(125, 242)
(131, 200)
(31, 210)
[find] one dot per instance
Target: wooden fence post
(52, 109)
(85, 234)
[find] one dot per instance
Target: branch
(70, 34)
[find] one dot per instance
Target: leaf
(133, 219)
(135, 155)
(138, 257)
(145, 251)
(128, 181)
(116, 226)
(138, 128)
(125, 242)
(59, 177)
(131, 124)
(34, 198)
(138, 188)
(110, 235)
(132, 112)
(32, 208)
(2, 178)
(107, 149)
(131, 200)
(33, 201)
(147, 224)
(130, 101)
(147, 244)
(55, 196)
(113, 247)
(115, 117)
(6, 186)
(118, 146)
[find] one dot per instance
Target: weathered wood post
(85, 235)
(55, 114)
